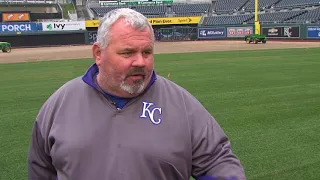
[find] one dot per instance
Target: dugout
(38, 39)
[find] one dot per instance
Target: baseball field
(265, 96)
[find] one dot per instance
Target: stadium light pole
(256, 20)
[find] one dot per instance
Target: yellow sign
(175, 20)
(92, 23)
(158, 21)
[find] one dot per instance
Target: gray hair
(132, 17)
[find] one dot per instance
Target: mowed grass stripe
(267, 101)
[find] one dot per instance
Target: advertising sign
(211, 33)
(175, 20)
(313, 32)
(239, 31)
(15, 16)
(129, 2)
(157, 21)
(63, 26)
(20, 27)
(281, 32)
(92, 36)
(92, 23)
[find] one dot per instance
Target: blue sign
(20, 27)
(92, 36)
(211, 33)
(313, 32)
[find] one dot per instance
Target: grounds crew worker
(122, 121)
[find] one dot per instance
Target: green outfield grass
(267, 101)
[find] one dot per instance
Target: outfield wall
(30, 34)
(233, 32)
(34, 39)
(272, 31)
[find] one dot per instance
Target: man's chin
(133, 89)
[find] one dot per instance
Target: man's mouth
(136, 77)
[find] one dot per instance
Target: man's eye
(146, 52)
(126, 53)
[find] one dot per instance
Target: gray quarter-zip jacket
(163, 134)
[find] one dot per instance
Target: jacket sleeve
(39, 161)
(212, 157)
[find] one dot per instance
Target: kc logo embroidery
(148, 110)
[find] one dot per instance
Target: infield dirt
(84, 51)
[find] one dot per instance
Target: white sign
(63, 26)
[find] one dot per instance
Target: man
(122, 121)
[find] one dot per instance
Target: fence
(83, 32)
(177, 34)
(271, 31)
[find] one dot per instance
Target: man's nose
(139, 60)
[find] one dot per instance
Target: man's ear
(96, 52)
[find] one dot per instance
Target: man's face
(126, 64)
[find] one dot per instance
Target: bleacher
(296, 3)
(229, 5)
(217, 12)
(275, 17)
(160, 10)
(312, 15)
(151, 10)
(190, 9)
(148, 11)
(100, 11)
(263, 4)
(230, 11)
(270, 11)
(227, 19)
(38, 9)
(249, 5)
